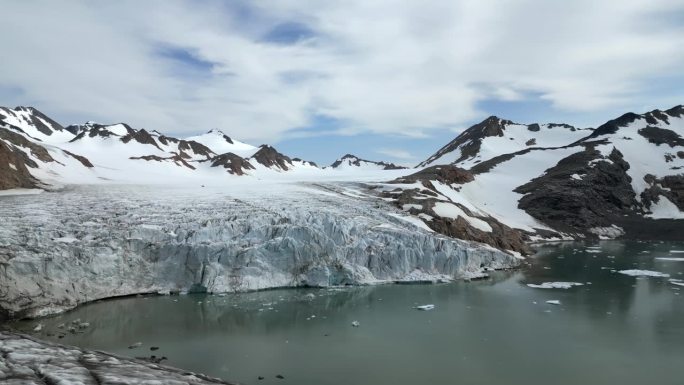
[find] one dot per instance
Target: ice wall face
(58, 250)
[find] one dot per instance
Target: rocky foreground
(26, 361)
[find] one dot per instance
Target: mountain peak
(349, 160)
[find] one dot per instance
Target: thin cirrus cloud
(264, 70)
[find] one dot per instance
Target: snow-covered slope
(119, 153)
(495, 136)
(651, 143)
(34, 124)
(606, 182)
(221, 143)
(352, 162)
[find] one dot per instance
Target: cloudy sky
(383, 79)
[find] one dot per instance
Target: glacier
(84, 243)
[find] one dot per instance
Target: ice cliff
(58, 250)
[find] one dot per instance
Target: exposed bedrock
(58, 250)
(27, 361)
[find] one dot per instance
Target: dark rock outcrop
(356, 161)
(660, 136)
(271, 158)
(140, 136)
(234, 164)
(13, 171)
(26, 360)
(177, 158)
(575, 195)
(470, 140)
(35, 118)
(447, 174)
(84, 161)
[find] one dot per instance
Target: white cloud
(396, 153)
(377, 66)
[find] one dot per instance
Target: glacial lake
(613, 329)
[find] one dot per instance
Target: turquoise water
(613, 329)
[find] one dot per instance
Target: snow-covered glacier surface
(60, 249)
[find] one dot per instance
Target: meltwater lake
(621, 321)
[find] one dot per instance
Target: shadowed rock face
(671, 187)
(234, 164)
(84, 161)
(13, 172)
(599, 197)
(446, 174)
(35, 118)
(14, 160)
(93, 129)
(27, 361)
(471, 139)
(660, 136)
(270, 157)
(653, 117)
(140, 136)
(196, 147)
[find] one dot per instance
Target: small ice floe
(672, 259)
(83, 325)
(676, 251)
(310, 296)
(425, 307)
(553, 302)
(38, 328)
(555, 285)
(65, 239)
(164, 292)
(355, 324)
(135, 345)
(677, 282)
(643, 273)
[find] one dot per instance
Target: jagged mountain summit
(625, 178)
(36, 151)
(495, 136)
(353, 162)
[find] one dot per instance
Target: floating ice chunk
(676, 251)
(671, 259)
(677, 282)
(643, 273)
(553, 302)
(65, 240)
(38, 328)
(355, 324)
(135, 345)
(555, 285)
(425, 307)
